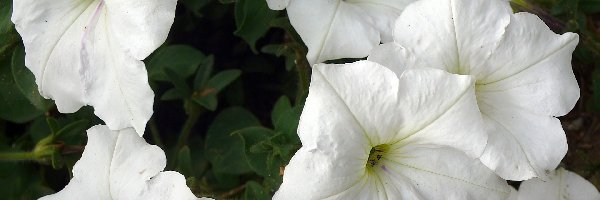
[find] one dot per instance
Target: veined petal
(440, 108)
(140, 26)
(121, 165)
(441, 34)
(562, 184)
(82, 51)
(362, 89)
(523, 143)
(537, 76)
(118, 85)
(519, 64)
(445, 173)
(322, 173)
(335, 29)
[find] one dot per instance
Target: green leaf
(14, 106)
(195, 6)
(184, 161)
(275, 49)
(208, 101)
(223, 79)
(5, 13)
(589, 6)
(181, 59)
(204, 72)
(71, 132)
(172, 94)
(288, 121)
(53, 125)
(282, 106)
(8, 36)
(179, 83)
(255, 191)
(224, 151)
(26, 81)
(252, 138)
(253, 19)
(207, 96)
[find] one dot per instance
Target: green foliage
(253, 20)
(14, 105)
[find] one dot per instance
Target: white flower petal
(361, 88)
(121, 165)
(141, 26)
(514, 194)
(440, 108)
(442, 34)
(82, 51)
(562, 184)
(523, 144)
(519, 64)
(322, 173)
(537, 77)
(277, 4)
(447, 170)
(355, 107)
(335, 29)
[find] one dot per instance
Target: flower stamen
(376, 154)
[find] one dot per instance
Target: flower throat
(376, 154)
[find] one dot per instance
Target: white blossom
(88, 52)
(522, 70)
(369, 134)
(121, 165)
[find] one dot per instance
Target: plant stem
(233, 192)
(303, 68)
(187, 127)
(522, 3)
(17, 156)
(155, 134)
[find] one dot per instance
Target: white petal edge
(277, 4)
(334, 29)
(561, 185)
(121, 165)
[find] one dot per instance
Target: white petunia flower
(121, 165)
(88, 52)
(369, 134)
(334, 29)
(522, 70)
(561, 185)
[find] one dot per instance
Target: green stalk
(17, 156)
(155, 134)
(193, 117)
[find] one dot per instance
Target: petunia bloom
(522, 70)
(561, 184)
(121, 165)
(334, 29)
(369, 134)
(89, 52)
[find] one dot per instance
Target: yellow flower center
(376, 154)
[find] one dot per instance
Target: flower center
(376, 154)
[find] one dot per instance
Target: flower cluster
(455, 97)
(463, 97)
